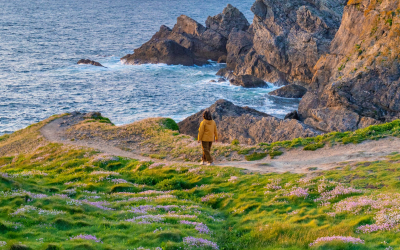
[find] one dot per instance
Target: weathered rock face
(362, 72)
(189, 42)
(248, 81)
(230, 18)
(239, 44)
(90, 62)
(247, 125)
(290, 91)
(289, 38)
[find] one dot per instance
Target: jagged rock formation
(230, 18)
(288, 38)
(290, 91)
(247, 125)
(90, 62)
(358, 83)
(189, 42)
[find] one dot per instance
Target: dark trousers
(206, 146)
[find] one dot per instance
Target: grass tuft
(256, 156)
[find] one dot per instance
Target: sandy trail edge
(295, 160)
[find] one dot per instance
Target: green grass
(313, 147)
(256, 156)
(275, 153)
(52, 193)
(243, 216)
(158, 156)
(235, 142)
(170, 124)
(100, 119)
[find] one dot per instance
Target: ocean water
(42, 40)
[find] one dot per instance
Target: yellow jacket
(208, 131)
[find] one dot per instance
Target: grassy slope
(156, 141)
(50, 193)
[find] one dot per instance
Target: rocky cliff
(189, 42)
(286, 39)
(247, 125)
(357, 83)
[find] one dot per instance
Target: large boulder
(189, 42)
(247, 125)
(248, 81)
(289, 38)
(290, 91)
(362, 72)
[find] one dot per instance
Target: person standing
(207, 135)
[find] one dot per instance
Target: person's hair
(207, 115)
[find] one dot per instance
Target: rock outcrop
(230, 18)
(89, 62)
(247, 125)
(287, 39)
(358, 83)
(292, 115)
(248, 81)
(290, 91)
(190, 43)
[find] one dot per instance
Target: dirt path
(295, 160)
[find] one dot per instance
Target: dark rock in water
(226, 73)
(87, 61)
(201, 43)
(289, 38)
(248, 81)
(292, 115)
(247, 125)
(222, 59)
(290, 91)
(213, 81)
(92, 115)
(164, 51)
(230, 18)
(221, 80)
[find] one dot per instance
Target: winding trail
(294, 160)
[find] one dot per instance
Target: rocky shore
(341, 57)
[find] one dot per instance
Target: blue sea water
(42, 40)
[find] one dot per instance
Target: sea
(41, 42)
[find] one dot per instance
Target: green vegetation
(235, 142)
(313, 147)
(170, 124)
(54, 193)
(256, 156)
(55, 196)
(100, 119)
(158, 156)
(370, 133)
(275, 153)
